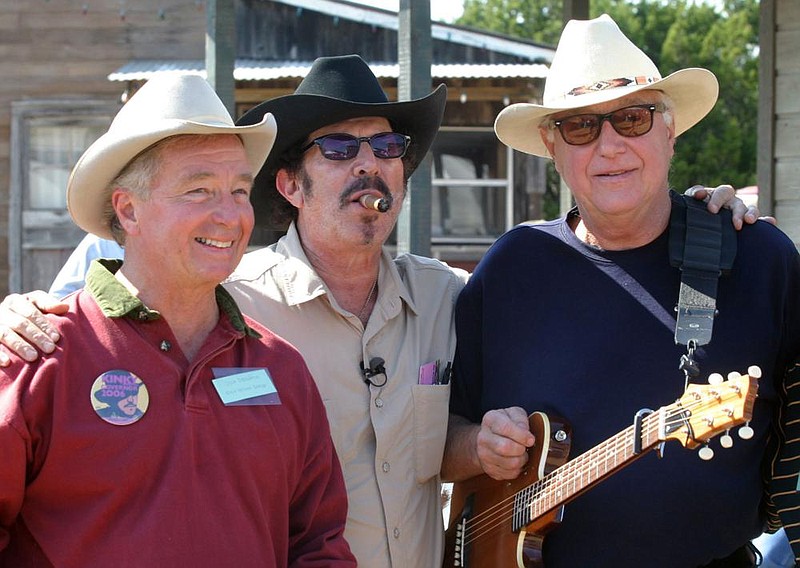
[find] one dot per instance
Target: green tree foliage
(675, 34)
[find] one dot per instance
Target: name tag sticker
(245, 387)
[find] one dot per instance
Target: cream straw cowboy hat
(164, 106)
(595, 63)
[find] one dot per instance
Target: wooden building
(69, 65)
(779, 114)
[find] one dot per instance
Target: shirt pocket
(431, 403)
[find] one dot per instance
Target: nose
(365, 162)
(609, 141)
(229, 209)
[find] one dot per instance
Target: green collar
(115, 300)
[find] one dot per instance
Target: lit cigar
(379, 204)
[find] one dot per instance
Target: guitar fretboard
(579, 474)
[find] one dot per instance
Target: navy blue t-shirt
(546, 323)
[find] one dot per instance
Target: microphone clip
(374, 369)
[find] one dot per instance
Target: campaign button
(119, 397)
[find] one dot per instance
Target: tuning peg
(715, 379)
(726, 441)
(733, 375)
(754, 371)
(706, 453)
(746, 432)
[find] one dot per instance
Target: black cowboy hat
(336, 89)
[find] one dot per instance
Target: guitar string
(495, 516)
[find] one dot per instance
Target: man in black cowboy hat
(376, 332)
(373, 329)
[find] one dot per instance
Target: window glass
(54, 148)
(470, 185)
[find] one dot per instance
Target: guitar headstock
(703, 411)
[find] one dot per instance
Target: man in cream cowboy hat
(221, 453)
(575, 317)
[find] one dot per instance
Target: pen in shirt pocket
(444, 378)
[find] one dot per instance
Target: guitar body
(481, 496)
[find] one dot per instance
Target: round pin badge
(119, 397)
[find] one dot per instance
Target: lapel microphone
(375, 368)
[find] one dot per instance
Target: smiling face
(326, 192)
(194, 223)
(615, 178)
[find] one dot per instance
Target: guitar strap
(703, 246)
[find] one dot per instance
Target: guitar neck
(576, 476)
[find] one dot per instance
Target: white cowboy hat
(595, 63)
(165, 106)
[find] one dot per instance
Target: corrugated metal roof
(447, 32)
(256, 70)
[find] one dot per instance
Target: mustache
(362, 183)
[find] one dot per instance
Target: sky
(441, 10)
(448, 10)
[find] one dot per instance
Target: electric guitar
(503, 523)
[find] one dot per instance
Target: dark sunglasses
(340, 146)
(630, 121)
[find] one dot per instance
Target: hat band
(612, 84)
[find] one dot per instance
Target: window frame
(506, 184)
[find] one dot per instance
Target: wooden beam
(765, 157)
(221, 49)
(415, 54)
(576, 10)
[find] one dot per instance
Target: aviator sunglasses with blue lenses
(630, 122)
(341, 146)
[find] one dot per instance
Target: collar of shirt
(115, 300)
(299, 282)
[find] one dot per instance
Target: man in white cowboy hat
(375, 331)
(172, 430)
(574, 317)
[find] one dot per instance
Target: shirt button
(385, 467)
(166, 345)
(379, 402)
(142, 315)
(396, 533)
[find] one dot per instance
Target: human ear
(288, 186)
(125, 209)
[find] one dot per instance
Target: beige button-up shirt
(390, 439)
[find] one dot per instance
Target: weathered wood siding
(53, 49)
(786, 117)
